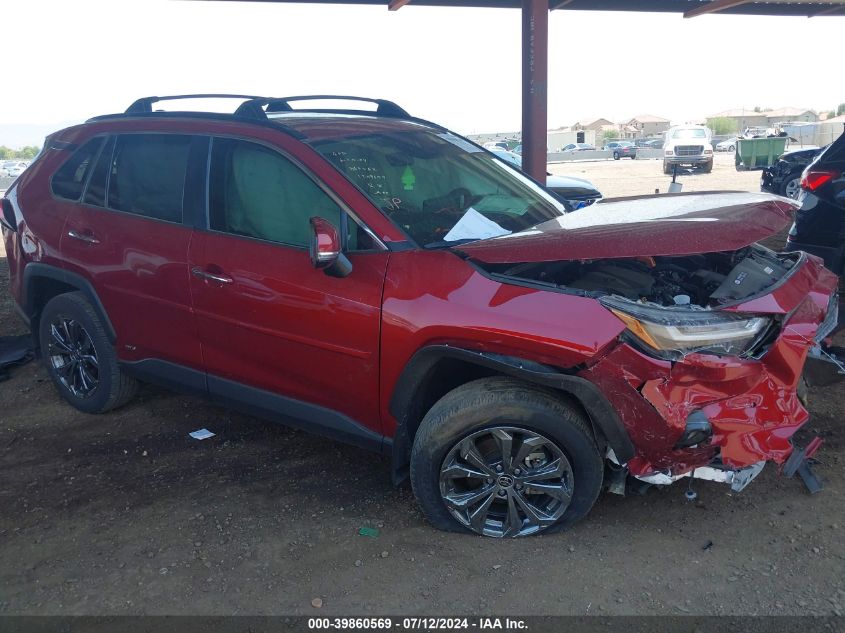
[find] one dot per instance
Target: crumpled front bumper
(752, 404)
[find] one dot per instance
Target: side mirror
(325, 249)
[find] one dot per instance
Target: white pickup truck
(688, 145)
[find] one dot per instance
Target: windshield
(689, 133)
(438, 187)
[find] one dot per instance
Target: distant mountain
(17, 135)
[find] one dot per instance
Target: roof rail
(145, 104)
(384, 107)
(254, 106)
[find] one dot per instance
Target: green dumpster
(757, 153)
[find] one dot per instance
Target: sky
(458, 67)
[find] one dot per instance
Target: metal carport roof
(535, 34)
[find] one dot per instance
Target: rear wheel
(500, 458)
(615, 155)
(79, 356)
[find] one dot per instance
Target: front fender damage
(752, 406)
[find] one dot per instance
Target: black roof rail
(253, 106)
(384, 107)
(145, 104)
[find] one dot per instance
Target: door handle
(204, 274)
(83, 237)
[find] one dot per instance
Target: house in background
(596, 125)
(647, 125)
(791, 115)
(765, 118)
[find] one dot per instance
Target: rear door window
(69, 180)
(147, 175)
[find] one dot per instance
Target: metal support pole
(535, 72)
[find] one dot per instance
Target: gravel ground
(125, 514)
(628, 177)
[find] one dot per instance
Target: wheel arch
(42, 282)
(437, 369)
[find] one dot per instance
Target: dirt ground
(126, 514)
(628, 177)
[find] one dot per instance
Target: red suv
(379, 279)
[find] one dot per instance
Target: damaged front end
(707, 375)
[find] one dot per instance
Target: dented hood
(668, 224)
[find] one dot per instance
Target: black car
(784, 177)
(819, 226)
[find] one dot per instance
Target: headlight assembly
(672, 333)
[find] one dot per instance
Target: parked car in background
(728, 145)
(648, 142)
(784, 177)
(496, 145)
(385, 282)
(578, 147)
(819, 226)
(13, 168)
(577, 192)
(688, 145)
(621, 149)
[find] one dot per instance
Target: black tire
(615, 155)
(667, 168)
(731, 148)
(708, 167)
(504, 403)
(113, 386)
(790, 186)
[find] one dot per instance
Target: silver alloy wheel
(73, 357)
(506, 481)
(792, 188)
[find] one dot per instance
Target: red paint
(647, 226)
(342, 343)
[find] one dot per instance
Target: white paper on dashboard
(474, 226)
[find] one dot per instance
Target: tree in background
(26, 153)
(840, 109)
(609, 135)
(722, 125)
(29, 152)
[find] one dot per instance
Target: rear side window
(836, 152)
(147, 175)
(69, 180)
(96, 192)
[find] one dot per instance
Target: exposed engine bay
(703, 281)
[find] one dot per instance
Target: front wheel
(708, 167)
(615, 155)
(500, 458)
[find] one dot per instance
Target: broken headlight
(671, 334)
